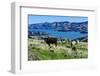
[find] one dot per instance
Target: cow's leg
(49, 45)
(56, 44)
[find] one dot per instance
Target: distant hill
(82, 39)
(61, 26)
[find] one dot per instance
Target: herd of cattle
(54, 41)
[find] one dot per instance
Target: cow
(50, 40)
(74, 44)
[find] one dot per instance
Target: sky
(32, 19)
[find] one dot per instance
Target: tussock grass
(39, 50)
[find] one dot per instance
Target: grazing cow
(51, 40)
(73, 44)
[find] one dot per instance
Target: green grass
(39, 50)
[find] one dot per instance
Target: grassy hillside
(39, 50)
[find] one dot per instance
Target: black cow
(51, 40)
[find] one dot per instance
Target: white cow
(73, 44)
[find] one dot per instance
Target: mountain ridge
(61, 26)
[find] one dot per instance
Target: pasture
(39, 50)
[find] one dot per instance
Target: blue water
(59, 34)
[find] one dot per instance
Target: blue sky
(44, 18)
